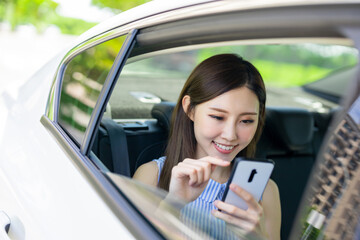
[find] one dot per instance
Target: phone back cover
(254, 184)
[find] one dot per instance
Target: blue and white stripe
(197, 214)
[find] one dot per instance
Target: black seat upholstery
(162, 112)
(110, 145)
(288, 140)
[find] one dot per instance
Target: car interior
(292, 138)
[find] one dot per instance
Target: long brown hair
(211, 78)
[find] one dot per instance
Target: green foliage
(118, 6)
(36, 12)
(289, 74)
(290, 65)
(42, 13)
(86, 73)
(2, 10)
(72, 26)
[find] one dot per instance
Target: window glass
(173, 217)
(149, 81)
(83, 80)
(315, 67)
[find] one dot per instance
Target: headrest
(162, 112)
(293, 127)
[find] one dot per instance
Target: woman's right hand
(190, 177)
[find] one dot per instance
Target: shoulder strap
(118, 145)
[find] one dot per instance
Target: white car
(73, 135)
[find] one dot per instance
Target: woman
(219, 115)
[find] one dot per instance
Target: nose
(229, 131)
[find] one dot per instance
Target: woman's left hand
(250, 220)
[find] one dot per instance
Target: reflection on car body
(169, 215)
(105, 106)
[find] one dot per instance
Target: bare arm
(272, 210)
(147, 173)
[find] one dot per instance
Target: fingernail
(232, 186)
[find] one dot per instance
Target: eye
(216, 117)
(247, 121)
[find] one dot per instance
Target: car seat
(287, 139)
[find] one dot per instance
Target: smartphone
(251, 175)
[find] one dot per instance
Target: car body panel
(47, 190)
(158, 12)
(40, 192)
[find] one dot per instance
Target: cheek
(205, 128)
(248, 133)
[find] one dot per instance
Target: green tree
(42, 13)
(118, 5)
(36, 12)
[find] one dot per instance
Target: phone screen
(251, 175)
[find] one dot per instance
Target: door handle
(4, 225)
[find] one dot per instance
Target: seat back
(287, 139)
(162, 112)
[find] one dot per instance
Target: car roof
(189, 8)
(152, 8)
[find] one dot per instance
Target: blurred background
(33, 31)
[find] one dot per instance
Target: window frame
(126, 47)
(123, 209)
(106, 91)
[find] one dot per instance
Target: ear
(186, 104)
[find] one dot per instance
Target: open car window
(290, 71)
(287, 69)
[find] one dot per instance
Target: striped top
(198, 213)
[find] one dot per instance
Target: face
(225, 125)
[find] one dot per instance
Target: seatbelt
(118, 145)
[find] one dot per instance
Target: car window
(287, 69)
(82, 82)
(330, 87)
(151, 80)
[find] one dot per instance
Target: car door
(44, 195)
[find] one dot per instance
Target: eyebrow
(224, 111)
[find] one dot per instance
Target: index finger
(215, 161)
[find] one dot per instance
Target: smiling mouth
(224, 147)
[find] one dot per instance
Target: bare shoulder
(271, 194)
(271, 188)
(147, 173)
